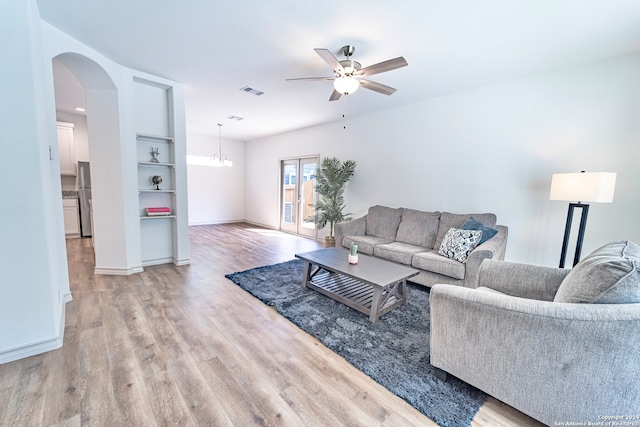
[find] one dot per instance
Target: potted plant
(331, 178)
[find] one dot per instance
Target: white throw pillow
(457, 243)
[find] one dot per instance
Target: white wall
(216, 194)
(493, 149)
(34, 283)
(33, 277)
(112, 139)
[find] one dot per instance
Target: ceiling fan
(347, 74)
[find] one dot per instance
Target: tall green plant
(331, 178)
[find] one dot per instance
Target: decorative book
(160, 211)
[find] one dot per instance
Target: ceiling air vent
(251, 90)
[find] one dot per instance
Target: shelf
(157, 217)
(169, 165)
(154, 137)
(156, 191)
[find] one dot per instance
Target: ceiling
(218, 47)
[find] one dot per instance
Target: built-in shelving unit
(171, 165)
(160, 149)
(144, 218)
(156, 158)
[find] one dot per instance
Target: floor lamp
(590, 187)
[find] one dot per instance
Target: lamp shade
(346, 85)
(596, 187)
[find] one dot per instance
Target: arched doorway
(105, 158)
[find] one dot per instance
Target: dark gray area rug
(394, 351)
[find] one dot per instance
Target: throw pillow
(457, 243)
(609, 275)
(448, 220)
(473, 224)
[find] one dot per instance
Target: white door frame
(293, 206)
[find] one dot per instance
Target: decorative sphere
(156, 180)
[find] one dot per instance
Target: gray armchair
(554, 361)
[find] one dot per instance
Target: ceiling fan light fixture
(346, 85)
(350, 68)
(348, 75)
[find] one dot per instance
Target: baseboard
(181, 262)
(67, 297)
(39, 347)
(257, 224)
(157, 261)
(233, 221)
(174, 261)
(230, 221)
(118, 271)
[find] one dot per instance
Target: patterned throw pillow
(457, 243)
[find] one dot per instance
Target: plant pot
(329, 242)
(353, 259)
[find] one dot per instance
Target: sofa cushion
(397, 252)
(473, 224)
(489, 290)
(432, 261)
(383, 222)
(609, 275)
(450, 220)
(457, 243)
(418, 228)
(365, 243)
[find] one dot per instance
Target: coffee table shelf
(373, 286)
(356, 294)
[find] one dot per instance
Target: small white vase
(353, 259)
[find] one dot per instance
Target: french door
(298, 195)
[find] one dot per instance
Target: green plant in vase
(353, 253)
(331, 178)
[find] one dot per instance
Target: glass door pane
(289, 196)
(307, 193)
(298, 195)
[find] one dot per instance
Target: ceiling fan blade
(377, 87)
(384, 66)
(309, 78)
(335, 95)
(329, 59)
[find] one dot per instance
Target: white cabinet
(66, 149)
(71, 218)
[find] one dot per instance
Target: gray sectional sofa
(413, 237)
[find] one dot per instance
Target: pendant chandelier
(219, 159)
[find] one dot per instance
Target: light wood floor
(184, 346)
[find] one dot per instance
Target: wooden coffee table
(372, 286)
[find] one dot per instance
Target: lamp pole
(567, 231)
